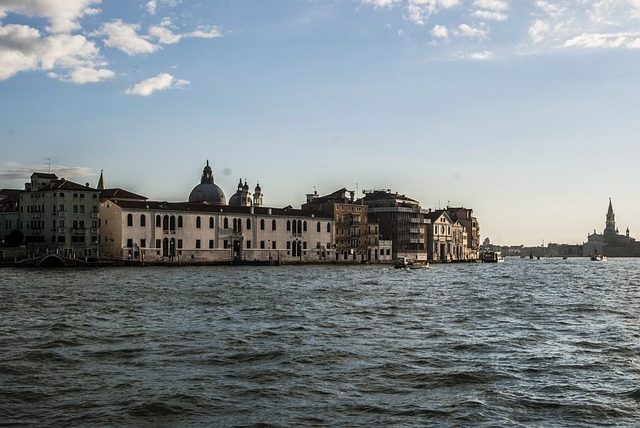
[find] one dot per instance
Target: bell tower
(610, 227)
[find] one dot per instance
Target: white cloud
(205, 33)
(538, 31)
(440, 31)
(465, 30)
(476, 56)
(123, 36)
(151, 7)
(485, 14)
(63, 15)
(419, 11)
(17, 171)
(160, 82)
(82, 75)
(23, 49)
(164, 35)
(498, 5)
(612, 40)
(381, 3)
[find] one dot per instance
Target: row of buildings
(610, 243)
(54, 215)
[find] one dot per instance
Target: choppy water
(525, 343)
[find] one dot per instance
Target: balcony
(62, 214)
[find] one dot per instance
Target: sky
(525, 111)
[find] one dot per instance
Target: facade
(447, 238)
(210, 231)
(9, 213)
(57, 215)
(185, 232)
(401, 220)
(611, 243)
(355, 239)
(466, 219)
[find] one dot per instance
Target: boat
(492, 257)
(599, 258)
(405, 263)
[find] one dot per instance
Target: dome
(242, 197)
(207, 190)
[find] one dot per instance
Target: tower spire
(101, 185)
(610, 226)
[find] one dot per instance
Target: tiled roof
(119, 194)
(209, 208)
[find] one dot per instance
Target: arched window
(304, 226)
(165, 222)
(158, 221)
(129, 219)
(273, 225)
(261, 224)
(198, 222)
(172, 222)
(226, 223)
(288, 225)
(318, 227)
(299, 226)
(328, 227)
(210, 222)
(143, 220)
(179, 221)
(248, 224)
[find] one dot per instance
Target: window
(318, 227)
(158, 221)
(328, 227)
(198, 243)
(211, 243)
(273, 225)
(198, 222)
(225, 243)
(172, 222)
(304, 226)
(248, 244)
(248, 224)
(261, 224)
(179, 243)
(210, 222)
(226, 224)
(143, 243)
(75, 209)
(129, 243)
(158, 242)
(143, 220)
(262, 245)
(179, 221)
(288, 225)
(273, 245)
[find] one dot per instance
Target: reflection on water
(527, 342)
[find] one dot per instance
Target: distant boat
(492, 257)
(599, 258)
(405, 263)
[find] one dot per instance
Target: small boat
(492, 257)
(599, 258)
(405, 263)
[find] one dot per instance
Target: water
(525, 343)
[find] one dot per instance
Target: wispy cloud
(18, 171)
(161, 82)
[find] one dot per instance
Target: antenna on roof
(48, 163)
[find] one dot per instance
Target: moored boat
(405, 263)
(492, 257)
(598, 258)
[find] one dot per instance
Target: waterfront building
(355, 239)
(401, 220)
(465, 217)
(9, 214)
(610, 242)
(207, 230)
(447, 238)
(58, 215)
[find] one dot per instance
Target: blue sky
(525, 111)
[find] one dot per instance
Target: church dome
(207, 191)
(242, 197)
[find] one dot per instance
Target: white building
(206, 230)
